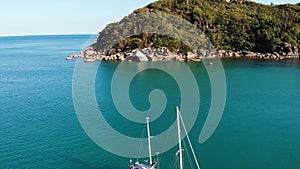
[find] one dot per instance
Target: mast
(190, 143)
(179, 139)
(149, 140)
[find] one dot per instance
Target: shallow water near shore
(39, 127)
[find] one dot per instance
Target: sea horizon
(49, 34)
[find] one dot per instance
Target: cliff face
(238, 25)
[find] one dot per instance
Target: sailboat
(137, 165)
(152, 165)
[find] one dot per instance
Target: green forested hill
(238, 25)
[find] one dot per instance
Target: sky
(31, 17)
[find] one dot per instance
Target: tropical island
(237, 29)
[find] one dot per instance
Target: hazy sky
(23, 17)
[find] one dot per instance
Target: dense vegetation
(235, 25)
(152, 40)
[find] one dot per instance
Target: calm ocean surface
(39, 127)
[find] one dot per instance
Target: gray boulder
(141, 57)
(236, 54)
(89, 53)
(138, 56)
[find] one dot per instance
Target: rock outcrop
(287, 49)
(284, 51)
(137, 55)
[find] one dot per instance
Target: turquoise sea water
(39, 127)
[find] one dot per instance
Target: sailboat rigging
(152, 165)
(137, 165)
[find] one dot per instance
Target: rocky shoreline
(137, 55)
(284, 51)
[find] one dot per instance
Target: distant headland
(237, 29)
